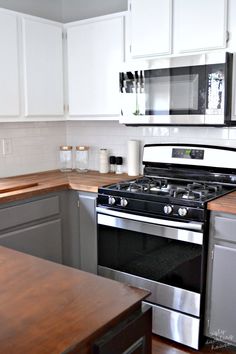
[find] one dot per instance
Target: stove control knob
(111, 200)
(182, 211)
(123, 202)
(168, 209)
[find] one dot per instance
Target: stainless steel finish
(150, 229)
(162, 294)
(174, 325)
(182, 211)
(168, 209)
(161, 119)
(123, 202)
(213, 156)
(189, 237)
(177, 61)
(111, 200)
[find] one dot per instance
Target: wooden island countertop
(47, 308)
(27, 186)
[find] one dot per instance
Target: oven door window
(171, 262)
(175, 91)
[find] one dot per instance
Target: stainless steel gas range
(153, 232)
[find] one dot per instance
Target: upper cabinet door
(9, 66)
(150, 25)
(43, 68)
(199, 25)
(95, 54)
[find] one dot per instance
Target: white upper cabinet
(9, 66)
(199, 25)
(150, 27)
(43, 68)
(95, 54)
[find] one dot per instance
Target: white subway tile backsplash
(35, 144)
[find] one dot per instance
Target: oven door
(165, 257)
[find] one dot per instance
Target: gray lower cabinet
(35, 226)
(60, 227)
(221, 279)
(43, 240)
(88, 231)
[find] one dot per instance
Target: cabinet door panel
(223, 294)
(43, 240)
(150, 22)
(9, 66)
(95, 52)
(88, 232)
(43, 68)
(199, 25)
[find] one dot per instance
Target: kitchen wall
(50, 9)
(73, 10)
(114, 137)
(33, 147)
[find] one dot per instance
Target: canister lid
(66, 147)
(119, 160)
(82, 148)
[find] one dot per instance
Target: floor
(163, 346)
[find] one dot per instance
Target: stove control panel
(197, 154)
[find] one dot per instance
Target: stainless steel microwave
(186, 90)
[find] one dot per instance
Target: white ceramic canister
(103, 161)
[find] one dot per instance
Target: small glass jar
(66, 158)
(82, 159)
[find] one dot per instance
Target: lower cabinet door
(223, 295)
(43, 240)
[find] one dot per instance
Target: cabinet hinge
(212, 255)
(130, 48)
(66, 108)
(208, 323)
(130, 6)
(227, 36)
(64, 35)
(78, 204)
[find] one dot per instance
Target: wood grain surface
(51, 181)
(226, 203)
(27, 186)
(47, 308)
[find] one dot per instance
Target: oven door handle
(156, 227)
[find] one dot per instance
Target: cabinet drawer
(43, 240)
(28, 212)
(224, 228)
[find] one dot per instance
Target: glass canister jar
(82, 159)
(66, 158)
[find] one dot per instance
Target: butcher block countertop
(225, 204)
(47, 308)
(27, 186)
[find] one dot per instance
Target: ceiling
(65, 10)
